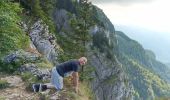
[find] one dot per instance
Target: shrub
(12, 36)
(29, 80)
(27, 76)
(85, 74)
(44, 64)
(9, 67)
(3, 84)
(41, 9)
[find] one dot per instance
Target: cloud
(119, 1)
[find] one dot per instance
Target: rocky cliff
(109, 81)
(108, 78)
(118, 68)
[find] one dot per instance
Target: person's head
(82, 60)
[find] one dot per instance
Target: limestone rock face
(21, 55)
(44, 41)
(43, 74)
(61, 19)
(109, 82)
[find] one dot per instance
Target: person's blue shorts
(56, 79)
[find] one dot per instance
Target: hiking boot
(42, 87)
(36, 87)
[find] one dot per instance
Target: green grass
(86, 92)
(12, 36)
(44, 64)
(3, 84)
(2, 98)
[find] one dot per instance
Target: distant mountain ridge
(158, 42)
(142, 67)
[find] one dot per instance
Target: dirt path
(17, 91)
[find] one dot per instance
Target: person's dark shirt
(66, 67)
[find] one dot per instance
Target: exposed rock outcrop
(61, 20)
(21, 55)
(44, 41)
(109, 81)
(43, 74)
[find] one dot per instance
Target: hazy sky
(150, 14)
(147, 21)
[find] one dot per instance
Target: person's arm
(76, 81)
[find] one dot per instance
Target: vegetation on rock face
(146, 83)
(14, 60)
(9, 67)
(104, 38)
(135, 60)
(142, 69)
(14, 38)
(101, 19)
(41, 9)
(29, 79)
(11, 33)
(68, 5)
(74, 41)
(3, 84)
(101, 42)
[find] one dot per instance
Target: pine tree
(74, 41)
(83, 22)
(81, 26)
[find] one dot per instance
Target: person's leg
(50, 86)
(56, 80)
(46, 86)
(56, 83)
